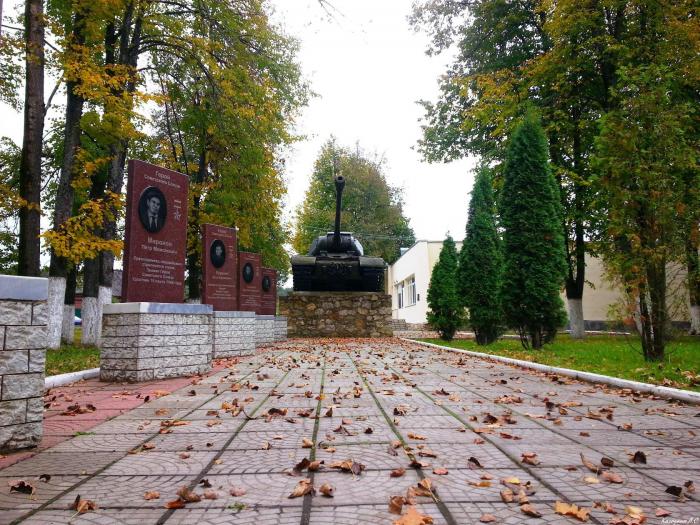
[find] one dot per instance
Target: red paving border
(109, 399)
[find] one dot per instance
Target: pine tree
(535, 263)
(480, 271)
(445, 313)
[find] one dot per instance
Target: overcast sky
(369, 69)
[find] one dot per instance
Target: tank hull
(341, 273)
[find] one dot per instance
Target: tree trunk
(90, 308)
(693, 264)
(58, 268)
(30, 167)
(68, 328)
(576, 321)
(54, 309)
(194, 265)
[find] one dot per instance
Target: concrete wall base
(146, 341)
(234, 333)
(23, 321)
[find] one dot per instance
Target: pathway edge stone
(662, 391)
(70, 377)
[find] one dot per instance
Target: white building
(408, 279)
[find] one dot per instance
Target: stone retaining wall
(264, 329)
(234, 333)
(337, 314)
(22, 360)
(145, 341)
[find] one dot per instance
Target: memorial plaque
(220, 267)
(268, 287)
(155, 239)
(249, 282)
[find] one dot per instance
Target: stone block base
(145, 341)
(337, 314)
(280, 328)
(264, 329)
(22, 360)
(234, 333)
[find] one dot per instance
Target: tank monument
(338, 290)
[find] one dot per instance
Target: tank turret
(336, 261)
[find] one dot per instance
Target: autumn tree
(480, 272)
(30, 166)
(224, 122)
(371, 208)
(534, 258)
(508, 53)
(445, 312)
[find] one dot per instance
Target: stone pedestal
(234, 333)
(23, 339)
(337, 314)
(280, 328)
(264, 329)
(145, 341)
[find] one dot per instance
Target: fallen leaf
(237, 492)
(611, 477)
(175, 504)
(418, 437)
(507, 496)
(589, 465)
(45, 478)
(21, 486)
(639, 457)
(187, 495)
(440, 471)
(396, 503)
(472, 462)
(530, 510)
(151, 494)
(487, 518)
(413, 517)
(83, 505)
(305, 486)
(327, 490)
(660, 513)
(397, 473)
(530, 458)
(307, 443)
(569, 509)
(211, 494)
(607, 462)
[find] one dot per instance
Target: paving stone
(130, 516)
(116, 480)
(365, 514)
(245, 516)
(153, 462)
(125, 491)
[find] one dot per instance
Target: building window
(399, 294)
(411, 290)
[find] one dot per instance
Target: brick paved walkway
(235, 438)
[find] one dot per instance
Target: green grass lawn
(618, 356)
(72, 358)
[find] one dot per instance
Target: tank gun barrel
(339, 185)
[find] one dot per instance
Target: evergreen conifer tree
(480, 270)
(445, 312)
(534, 256)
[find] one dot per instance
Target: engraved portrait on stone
(248, 272)
(153, 209)
(217, 253)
